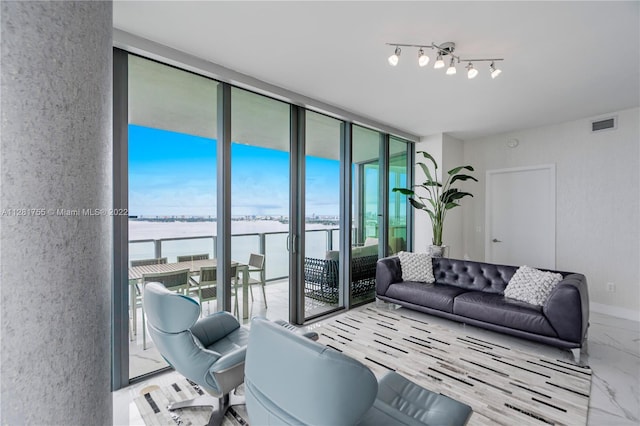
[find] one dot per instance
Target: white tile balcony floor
(613, 353)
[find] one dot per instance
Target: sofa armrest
(388, 271)
(567, 308)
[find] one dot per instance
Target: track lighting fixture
(472, 72)
(444, 49)
(452, 67)
(393, 59)
(423, 59)
(493, 70)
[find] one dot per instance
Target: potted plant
(438, 197)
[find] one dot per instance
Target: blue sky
(175, 174)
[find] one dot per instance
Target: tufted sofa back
(476, 276)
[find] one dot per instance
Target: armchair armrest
(228, 371)
(388, 271)
(567, 308)
(228, 361)
(212, 328)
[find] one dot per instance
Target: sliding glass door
(172, 183)
(322, 283)
(397, 226)
(367, 220)
(260, 184)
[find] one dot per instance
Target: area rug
(503, 385)
(153, 402)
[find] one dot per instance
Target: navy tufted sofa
(473, 293)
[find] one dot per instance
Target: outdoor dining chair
(192, 257)
(177, 281)
(256, 264)
(138, 302)
(145, 262)
(207, 286)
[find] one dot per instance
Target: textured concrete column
(55, 158)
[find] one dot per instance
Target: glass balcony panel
(316, 244)
(142, 250)
(335, 239)
(243, 245)
(276, 256)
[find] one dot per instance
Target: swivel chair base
(220, 405)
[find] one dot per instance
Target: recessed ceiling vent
(604, 124)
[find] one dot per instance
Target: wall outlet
(478, 228)
(611, 287)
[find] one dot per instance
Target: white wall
(423, 233)
(598, 201)
(448, 153)
(452, 233)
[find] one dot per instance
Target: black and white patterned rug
(503, 385)
(153, 402)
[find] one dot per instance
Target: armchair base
(220, 405)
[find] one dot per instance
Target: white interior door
(521, 216)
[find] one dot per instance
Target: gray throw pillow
(532, 285)
(416, 267)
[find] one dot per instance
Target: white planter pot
(438, 251)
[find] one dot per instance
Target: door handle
(495, 240)
(292, 242)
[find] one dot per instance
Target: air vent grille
(605, 124)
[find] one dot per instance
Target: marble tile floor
(613, 352)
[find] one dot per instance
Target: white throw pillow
(416, 267)
(532, 285)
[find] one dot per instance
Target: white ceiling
(563, 60)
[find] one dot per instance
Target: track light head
(493, 70)
(439, 62)
(423, 59)
(452, 67)
(471, 71)
(393, 59)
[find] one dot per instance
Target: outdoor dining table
(136, 273)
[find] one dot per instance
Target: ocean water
(178, 239)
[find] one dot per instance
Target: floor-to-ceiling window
(397, 226)
(260, 134)
(172, 183)
(365, 178)
(322, 213)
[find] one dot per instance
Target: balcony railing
(273, 245)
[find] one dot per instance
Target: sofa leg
(577, 356)
(382, 304)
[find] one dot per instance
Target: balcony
(271, 244)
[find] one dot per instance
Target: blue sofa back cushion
(475, 276)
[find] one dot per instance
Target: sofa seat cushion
(432, 296)
(496, 309)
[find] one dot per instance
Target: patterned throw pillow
(416, 267)
(531, 285)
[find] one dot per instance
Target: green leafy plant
(438, 197)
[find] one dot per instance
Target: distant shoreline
(284, 220)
